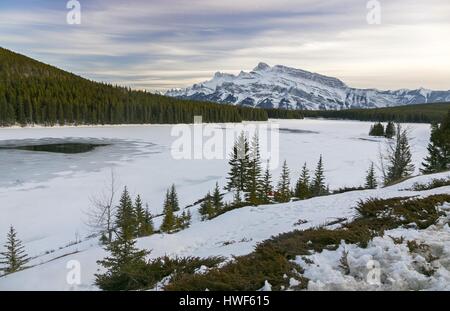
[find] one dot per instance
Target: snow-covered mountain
(290, 88)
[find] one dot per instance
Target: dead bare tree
(101, 213)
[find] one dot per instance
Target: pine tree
(169, 220)
(207, 209)
(147, 227)
(243, 160)
(371, 180)
(390, 130)
(125, 267)
(377, 130)
(253, 175)
(438, 158)
(303, 187)
(399, 158)
(139, 214)
(14, 258)
(184, 220)
(237, 200)
(174, 199)
(267, 188)
(217, 199)
(144, 223)
(318, 184)
(283, 193)
(126, 217)
(233, 175)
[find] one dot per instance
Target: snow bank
(391, 262)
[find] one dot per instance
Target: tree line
(420, 113)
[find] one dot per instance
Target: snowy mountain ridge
(290, 88)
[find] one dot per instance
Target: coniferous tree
(207, 207)
(139, 214)
(14, 258)
(390, 130)
(239, 164)
(303, 186)
(217, 199)
(125, 267)
(253, 178)
(283, 193)
(399, 158)
(267, 189)
(371, 180)
(243, 161)
(184, 220)
(169, 220)
(438, 158)
(377, 130)
(126, 216)
(237, 200)
(147, 227)
(174, 199)
(144, 223)
(233, 175)
(318, 186)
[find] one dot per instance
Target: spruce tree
(169, 220)
(318, 184)
(139, 213)
(217, 199)
(438, 158)
(243, 161)
(144, 223)
(125, 267)
(233, 175)
(207, 210)
(147, 227)
(184, 220)
(303, 187)
(253, 178)
(14, 258)
(390, 130)
(126, 222)
(377, 130)
(283, 193)
(174, 199)
(399, 159)
(371, 180)
(267, 189)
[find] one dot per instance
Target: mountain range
(290, 88)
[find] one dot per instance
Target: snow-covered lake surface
(46, 195)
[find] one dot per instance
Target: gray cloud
(165, 44)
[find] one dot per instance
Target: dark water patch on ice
(37, 160)
(67, 148)
(296, 131)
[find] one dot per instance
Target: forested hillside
(422, 113)
(35, 93)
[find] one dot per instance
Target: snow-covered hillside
(237, 232)
(290, 88)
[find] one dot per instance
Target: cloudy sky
(161, 44)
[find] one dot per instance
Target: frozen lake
(45, 195)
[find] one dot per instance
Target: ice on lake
(46, 195)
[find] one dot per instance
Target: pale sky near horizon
(164, 44)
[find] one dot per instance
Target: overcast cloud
(173, 43)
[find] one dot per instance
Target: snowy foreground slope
(285, 87)
(242, 229)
